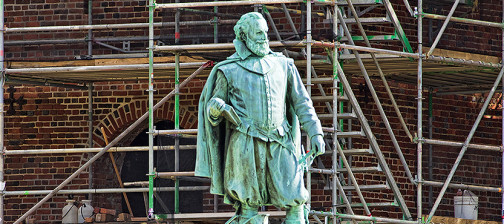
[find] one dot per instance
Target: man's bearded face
(257, 38)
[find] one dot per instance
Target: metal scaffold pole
(430, 161)
(109, 27)
(151, 114)
(216, 40)
(419, 113)
(90, 31)
(335, 181)
(2, 124)
(226, 3)
(177, 109)
(502, 105)
(216, 25)
(91, 150)
(90, 135)
(177, 127)
(105, 190)
(308, 88)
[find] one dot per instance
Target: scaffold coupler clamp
(416, 13)
(417, 180)
(3, 75)
(2, 187)
(416, 139)
(209, 64)
(150, 216)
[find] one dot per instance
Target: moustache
(261, 41)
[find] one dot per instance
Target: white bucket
(466, 207)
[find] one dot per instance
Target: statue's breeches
(262, 173)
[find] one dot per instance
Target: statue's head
(253, 30)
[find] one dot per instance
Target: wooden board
(463, 55)
(450, 220)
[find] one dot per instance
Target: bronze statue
(250, 113)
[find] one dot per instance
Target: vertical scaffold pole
(502, 105)
(419, 118)
(90, 136)
(177, 24)
(308, 87)
(216, 24)
(430, 161)
(90, 31)
(177, 115)
(152, 7)
(335, 118)
(177, 126)
(2, 80)
(216, 40)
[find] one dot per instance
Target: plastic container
(69, 212)
(85, 211)
(466, 206)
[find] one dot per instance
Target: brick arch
(115, 122)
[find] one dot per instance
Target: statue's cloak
(212, 140)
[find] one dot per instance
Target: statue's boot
(295, 215)
(249, 215)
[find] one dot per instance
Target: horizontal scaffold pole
(233, 3)
(101, 68)
(169, 175)
(415, 56)
(464, 186)
(174, 132)
(104, 150)
(223, 46)
(195, 131)
(114, 26)
(105, 191)
(362, 217)
(86, 150)
(464, 20)
(460, 144)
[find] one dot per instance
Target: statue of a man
(250, 112)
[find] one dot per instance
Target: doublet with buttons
(261, 160)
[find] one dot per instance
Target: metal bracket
(2, 186)
(418, 140)
(126, 45)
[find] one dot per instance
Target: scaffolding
(342, 104)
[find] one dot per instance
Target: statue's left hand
(318, 144)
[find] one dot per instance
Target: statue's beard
(259, 47)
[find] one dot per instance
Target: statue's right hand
(215, 107)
